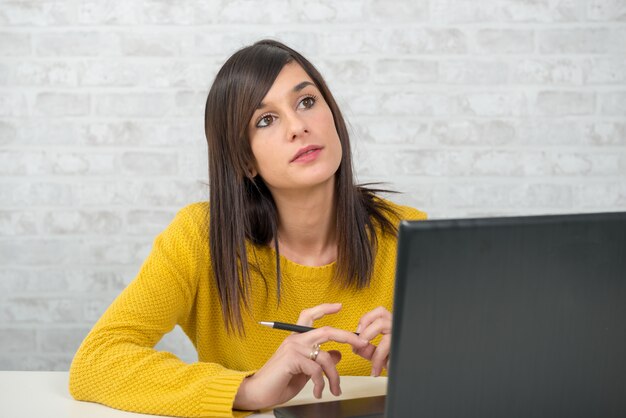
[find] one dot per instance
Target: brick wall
(471, 108)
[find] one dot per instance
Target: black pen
(289, 327)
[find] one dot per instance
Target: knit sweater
(116, 365)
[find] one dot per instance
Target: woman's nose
(297, 126)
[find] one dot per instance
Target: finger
(375, 328)
(313, 369)
(309, 315)
(381, 355)
(328, 363)
(325, 334)
(366, 352)
(371, 316)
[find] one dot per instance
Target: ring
(315, 350)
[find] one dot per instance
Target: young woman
(287, 236)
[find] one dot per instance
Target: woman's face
(293, 135)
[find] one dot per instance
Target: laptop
(504, 317)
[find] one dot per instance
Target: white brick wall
(470, 108)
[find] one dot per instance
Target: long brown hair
(241, 206)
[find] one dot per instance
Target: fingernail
(358, 329)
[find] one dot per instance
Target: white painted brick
(605, 134)
(398, 10)
(163, 44)
(62, 104)
(148, 222)
(504, 41)
(37, 252)
(221, 43)
(62, 279)
(578, 41)
(47, 132)
(14, 44)
(406, 71)
(492, 104)
(112, 73)
(15, 223)
(473, 72)
(159, 193)
(549, 132)
(358, 103)
(194, 165)
(550, 71)
(8, 132)
(561, 103)
(607, 70)
(320, 11)
(396, 41)
(61, 340)
(472, 195)
(190, 104)
(114, 252)
(248, 11)
(601, 195)
(41, 310)
(74, 43)
(109, 12)
(82, 222)
(469, 132)
(186, 12)
(417, 104)
(43, 73)
(36, 13)
(17, 340)
(391, 131)
(134, 133)
(344, 71)
(133, 104)
(606, 10)
(22, 280)
(542, 11)
(613, 104)
(29, 193)
(153, 164)
(464, 11)
(542, 195)
(26, 162)
(13, 104)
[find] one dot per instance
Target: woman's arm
(117, 365)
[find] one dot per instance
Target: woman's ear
(251, 172)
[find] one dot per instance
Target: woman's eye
(265, 121)
(308, 102)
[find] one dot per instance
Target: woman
(288, 235)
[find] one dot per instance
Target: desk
(45, 394)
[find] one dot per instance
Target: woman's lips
(307, 154)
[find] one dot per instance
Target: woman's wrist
(243, 399)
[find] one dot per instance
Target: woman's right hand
(284, 375)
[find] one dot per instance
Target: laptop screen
(510, 317)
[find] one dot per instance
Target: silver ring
(315, 350)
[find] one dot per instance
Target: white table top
(45, 394)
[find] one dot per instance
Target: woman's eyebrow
(298, 87)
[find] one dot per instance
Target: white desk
(45, 394)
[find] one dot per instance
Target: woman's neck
(307, 224)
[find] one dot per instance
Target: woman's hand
(374, 323)
(295, 362)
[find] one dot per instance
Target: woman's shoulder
(191, 220)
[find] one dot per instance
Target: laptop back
(510, 317)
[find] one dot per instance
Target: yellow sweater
(117, 366)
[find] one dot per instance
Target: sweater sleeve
(117, 366)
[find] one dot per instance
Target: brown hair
(242, 208)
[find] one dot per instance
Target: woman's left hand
(374, 323)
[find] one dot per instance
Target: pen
(289, 327)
